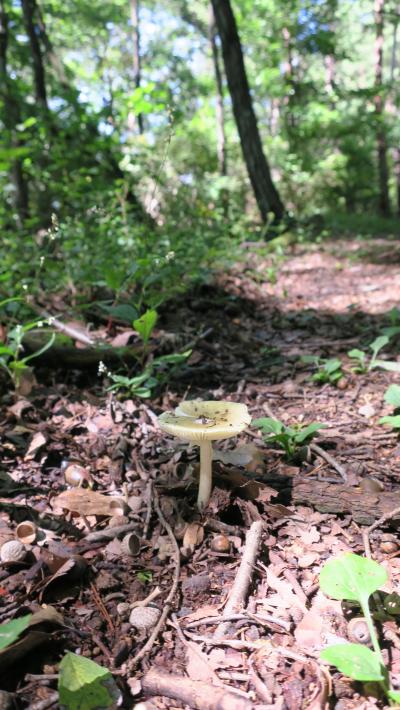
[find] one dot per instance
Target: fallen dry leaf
(84, 502)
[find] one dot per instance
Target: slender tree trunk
(383, 171)
(11, 118)
(134, 8)
(29, 11)
(396, 149)
(219, 106)
(266, 194)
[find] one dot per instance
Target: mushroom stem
(205, 482)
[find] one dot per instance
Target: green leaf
(332, 365)
(394, 695)
(389, 365)
(122, 311)
(269, 425)
(378, 344)
(392, 396)
(351, 577)
(9, 632)
(355, 661)
(145, 324)
(84, 685)
(393, 421)
(308, 431)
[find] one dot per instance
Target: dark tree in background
(266, 194)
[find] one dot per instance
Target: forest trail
(259, 320)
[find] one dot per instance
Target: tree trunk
(396, 149)
(219, 105)
(134, 8)
(266, 194)
(11, 118)
(29, 9)
(383, 172)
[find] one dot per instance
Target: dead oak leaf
(84, 502)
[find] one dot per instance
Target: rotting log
(62, 353)
(340, 499)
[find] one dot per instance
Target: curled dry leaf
(194, 535)
(84, 502)
(36, 444)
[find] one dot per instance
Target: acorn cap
(197, 420)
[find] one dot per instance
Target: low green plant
(84, 685)
(328, 370)
(154, 376)
(11, 352)
(363, 362)
(354, 578)
(290, 438)
(392, 396)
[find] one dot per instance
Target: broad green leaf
(308, 431)
(351, 577)
(145, 324)
(392, 396)
(9, 632)
(378, 344)
(355, 661)
(332, 365)
(391, 420)
(394, 695)
(122, 311)
(358, 354)
(269, 425)
(84, 685)
(389, 365)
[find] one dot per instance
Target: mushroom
(201, 422)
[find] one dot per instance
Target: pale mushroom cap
(196, 420)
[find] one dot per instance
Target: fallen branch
(241, 584)
(108, 533)
(195, 693)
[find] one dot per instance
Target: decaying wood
(195, 693)
(68, 356)
(337, 498)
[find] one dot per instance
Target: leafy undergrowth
(249, 338)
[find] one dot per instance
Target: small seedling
(154, 376)
(363, 363)
(291, 439)
(328, 371)
(354, 578)
(11, 353)
(392, 396)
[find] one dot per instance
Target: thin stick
(329, 459)
(241, 584)
(266, 620)
(168, 602)
(194, 693)
(108, 533)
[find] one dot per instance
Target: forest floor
(320, 300)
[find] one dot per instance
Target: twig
(250, 645)
(195, 693)
(168, 602)
(47, 703)
(367, 532)
(259, 685)
(67, 329)
(148, 499)
(266, 620)
(329, 459)
(109, 533)
(241, 584)
(101, 607)
(146, 601)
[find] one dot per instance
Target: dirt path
(259, 320)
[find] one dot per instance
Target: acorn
(119, 507)
(357, 631)
(371, 485)
(13, 551)
(75, 475)
(220, 543)
(388, 546)
(144, 618)
(26, 532)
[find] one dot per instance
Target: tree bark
(137, 72)
(29, 10)
(11, 118)
(266, 194)
(381, 140)
(219, 105)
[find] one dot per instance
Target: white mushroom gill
(202, 422)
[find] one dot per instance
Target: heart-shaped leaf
(355, 661)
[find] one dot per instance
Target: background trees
(149, 114)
